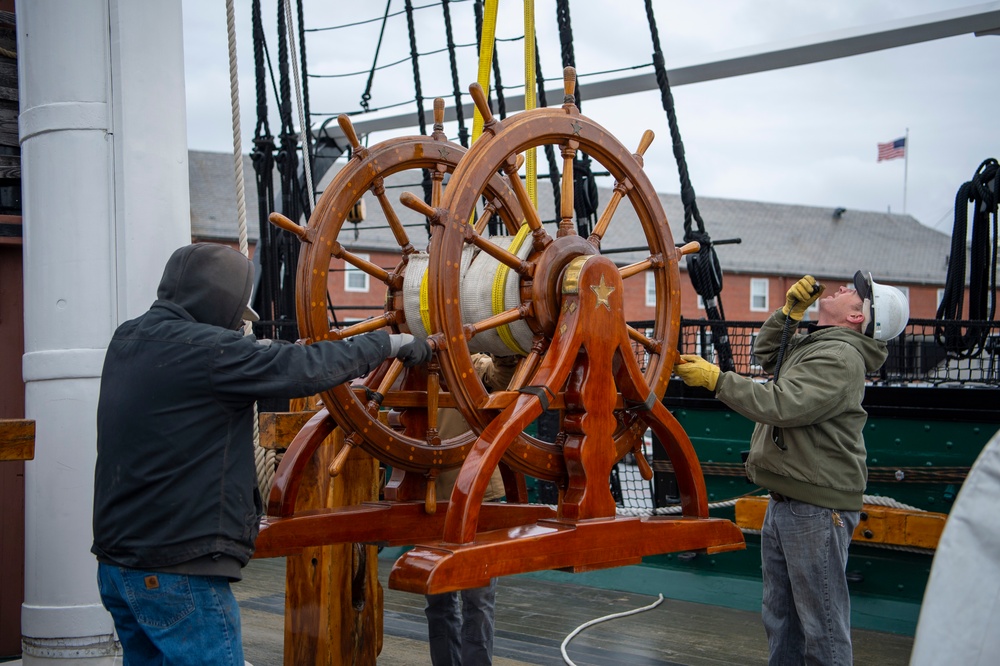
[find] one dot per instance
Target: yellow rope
(500, 288)
(425, 305)
(486, 40)
(530, 160)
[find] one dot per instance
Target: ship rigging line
(415, 57)
(703, 267)
(983, 192)
(263, 458)
(367, 94)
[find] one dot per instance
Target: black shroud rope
(703, 267)
(463, 133)
(585, 201)
(415, 57)
(366, 96)
(983, 192)
(550, 151)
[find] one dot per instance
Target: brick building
(778, 243)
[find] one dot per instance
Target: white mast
(105, 200)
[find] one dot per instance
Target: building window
(650, 289)
(758, 295)
(355, 279)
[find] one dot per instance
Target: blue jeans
(807, 606)
(462, 637)
(172, 619)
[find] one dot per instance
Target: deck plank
(534, 616)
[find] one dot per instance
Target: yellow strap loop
(425, 304)
(500, 288)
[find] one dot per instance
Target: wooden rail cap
(879, 525)
(17, 439)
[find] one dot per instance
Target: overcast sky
(802, 135)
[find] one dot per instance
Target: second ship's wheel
(414, 395)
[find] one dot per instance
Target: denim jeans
(462, 637)
(807, 606)
(172, 619)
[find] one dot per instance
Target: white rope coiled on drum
(488, 287)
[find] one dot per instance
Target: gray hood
(211, 282)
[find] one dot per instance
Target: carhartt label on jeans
(152, 582)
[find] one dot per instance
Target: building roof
(211, 179)
(775, 239)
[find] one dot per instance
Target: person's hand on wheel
(409, 349)
(696, 371)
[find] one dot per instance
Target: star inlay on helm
(603, 291)
(576, 128)
(443, 153)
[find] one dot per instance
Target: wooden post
(333, 600)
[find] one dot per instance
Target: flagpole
(906, 164)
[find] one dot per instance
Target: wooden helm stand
(605, 378)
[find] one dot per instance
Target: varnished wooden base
(551, 544)
(383, 523)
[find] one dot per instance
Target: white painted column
(105, 201)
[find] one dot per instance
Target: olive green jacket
(816, 404)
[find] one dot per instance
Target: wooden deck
(535, 616)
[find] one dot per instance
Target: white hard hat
(885, 308)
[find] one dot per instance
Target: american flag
(892, 150)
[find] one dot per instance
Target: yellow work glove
(696, 371)
(802, 294)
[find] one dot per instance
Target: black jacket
(176, 478)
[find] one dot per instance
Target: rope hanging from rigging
(264, 459)
(463, 132)
(366, 96)
(415, 58)
(983, 193)
(703, 267)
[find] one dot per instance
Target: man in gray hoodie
(176, 506)
(809, 452)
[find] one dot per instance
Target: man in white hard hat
(808, 451)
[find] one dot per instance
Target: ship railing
(928, 352)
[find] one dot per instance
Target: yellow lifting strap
(486, 44)
(530, 163)
(486, 40)
(498, 299)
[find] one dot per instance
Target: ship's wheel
(555, 301)
(541, 269)
(414, 395)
